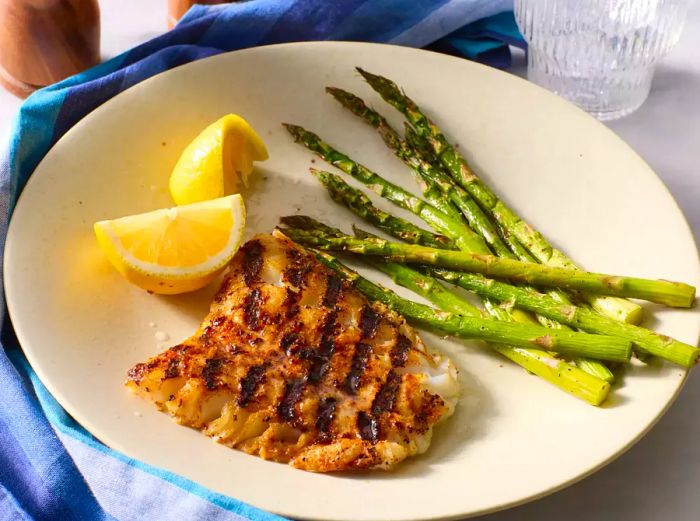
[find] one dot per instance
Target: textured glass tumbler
(599, 54)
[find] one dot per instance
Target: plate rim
(13, 240)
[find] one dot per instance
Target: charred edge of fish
(357, 367)
(321, 357)
(214, 324)
(369, 322)
(292, 392)
(250, 383)
(367, 427)
(173, 369)
(211, 371)
(252, 261)
(251, 309)
(399, 353)
(384, 399)
(325, 416)
(137, 372)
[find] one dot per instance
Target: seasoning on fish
(294, 365)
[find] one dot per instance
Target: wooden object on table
(177, 8)
(44, 41)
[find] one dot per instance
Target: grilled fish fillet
(294, 365)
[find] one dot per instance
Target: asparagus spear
(422, 169)
(414, 157)
(480, 222)
(360, 204)
(419, 158)
(580, 317)
(347, 195)
(506, 218)
(535, 361)
(476, 217)
(674, 294)
(463, 236)
(504, 244)
(470, 327)
(541, 363)
(431, 192)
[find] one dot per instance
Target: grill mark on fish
(320, 358)
(250, 383)
(334, 286)
(367, 427)
(290, 343)
(399, 353)
(357, 368)
(369, 322)
(292, 392)
(384, 399)
(291, 304)
(252, 261)
(251, 309)
(320, 361)
(297, 269)
(325, 416)
(211, 370)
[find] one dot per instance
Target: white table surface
(659, 478)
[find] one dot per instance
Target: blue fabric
(486, 40)
(50, 467)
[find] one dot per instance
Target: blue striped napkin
(51, 468)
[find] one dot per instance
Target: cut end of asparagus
(597, 398)
(679, 295)
(681, 353)
(618, 308)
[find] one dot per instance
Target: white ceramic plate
(513, 438)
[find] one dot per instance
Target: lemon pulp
(178, 249)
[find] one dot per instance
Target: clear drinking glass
(599, 54)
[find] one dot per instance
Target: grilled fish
(294, 365)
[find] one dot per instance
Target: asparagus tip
(336, 92)
(295, 130)
(326, 178)
(307, 223)
(377, 81)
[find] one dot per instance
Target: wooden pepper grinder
(44, 41)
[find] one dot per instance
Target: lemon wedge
(218, 161)
(175, 250)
